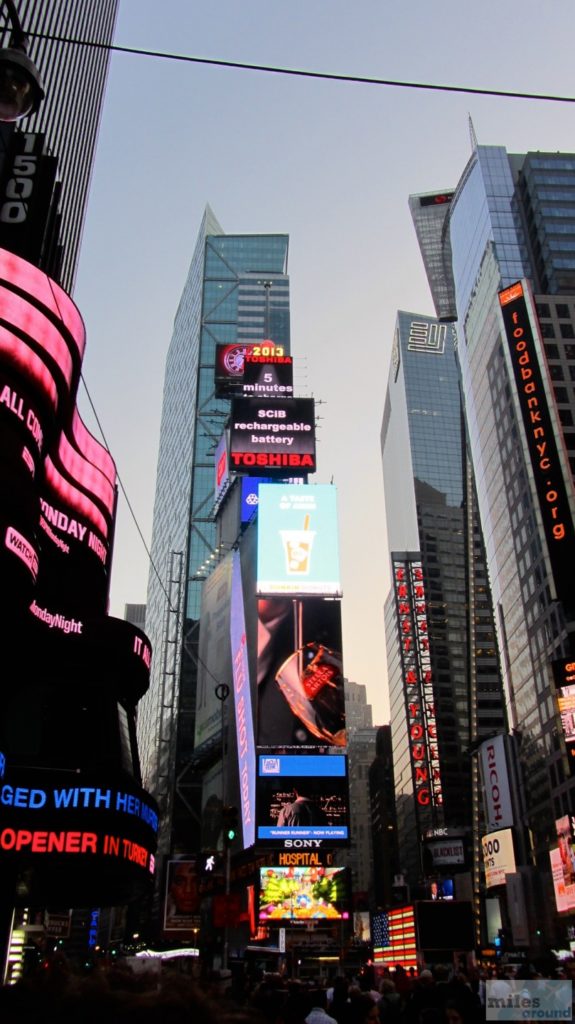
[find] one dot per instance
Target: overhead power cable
(300, 73)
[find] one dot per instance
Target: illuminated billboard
(519, 314)
(564, 881)
(564, 675)
(498, 856)
(246, 754)
(303, 808)
(253, 368)
(298, 551)
(300, 685)
(411, 609)
(303, 894)
(214, 656)
(393, 937)
(182, 898)
(272, 438)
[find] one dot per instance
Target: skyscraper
(74, 77)
(513, 276)
(237, 290)
(445, 687)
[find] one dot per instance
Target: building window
(567, 330)
(562, 311)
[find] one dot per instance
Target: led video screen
(302, 894)
(298, 550)
(303, 808)
(301, 697)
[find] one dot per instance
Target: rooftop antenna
(472, 135)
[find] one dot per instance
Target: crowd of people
(116, 995)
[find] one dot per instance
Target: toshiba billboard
(495, 778)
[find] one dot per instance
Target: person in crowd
(318, 1013)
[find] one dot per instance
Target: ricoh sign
(496, 790)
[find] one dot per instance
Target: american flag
(394, 937)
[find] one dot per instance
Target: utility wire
(299, 73)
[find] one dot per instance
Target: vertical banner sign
(418, 681)
(497, 801)
(542, 446)
(243, 707)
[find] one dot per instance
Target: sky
(329, 163)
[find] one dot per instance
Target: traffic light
(230, 820)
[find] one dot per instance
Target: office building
(445, 686)
(384, 823)
(74, 79)
(513, 280)
(361, 737)
(237, 291)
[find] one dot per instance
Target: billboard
(564, 894)
(519, 314)
(243, 707)
(214, 656)
(393, 936)
(222, 475)
(411, 610)
(498, 856)
(182, 899)
(303, 894)
(300, 686)
(495, 778)
(265, 357)
(272, 438)
(445, 925)
(298, 551)
(304, 807)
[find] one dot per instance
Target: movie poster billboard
(182, 901)
(300, 685)
(298, 550)
(272, 437)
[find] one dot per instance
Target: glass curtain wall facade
(430, 512)
(237, 289)
(513, 217)
(74, 79)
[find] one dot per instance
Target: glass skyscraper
(512, 220)
(74, 79)
(432, 522)
(237, 290)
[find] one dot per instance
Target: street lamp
(21, 89)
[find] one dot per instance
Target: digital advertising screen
(498, 856)
(298, 550)
(214, 652)
(300, 685)
(524, 345)
(272, 437)
(302, 894)
(229, 368)
(393, 937)
(182, 899)
(222, 475)
(267, 377)
(445, 925)
(302, 807)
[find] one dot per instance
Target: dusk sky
(329, 163)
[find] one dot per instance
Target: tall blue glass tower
(237, 290)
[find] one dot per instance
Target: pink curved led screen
(17, 272)
(20, 355)
(19, 313)
(91, 449)
(86, 475)
(75, 498)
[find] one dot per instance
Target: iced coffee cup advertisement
(297, 540)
